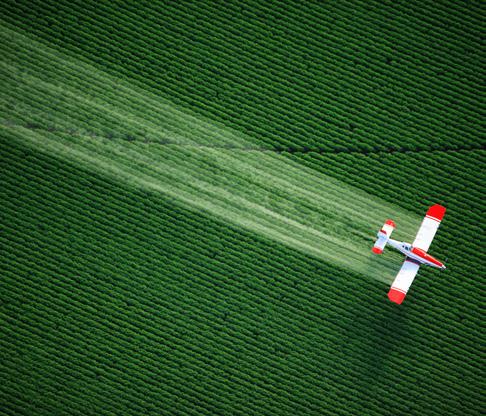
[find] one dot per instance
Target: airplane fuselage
(416, 254)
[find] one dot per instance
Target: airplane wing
(429, 226)
(403, 280)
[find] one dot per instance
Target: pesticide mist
(68, 108)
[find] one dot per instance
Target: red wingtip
(390, 222)
(377, 250)
(436, 211)
(396, 296)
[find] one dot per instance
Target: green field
(190, 192)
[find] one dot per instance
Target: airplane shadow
(378, 336)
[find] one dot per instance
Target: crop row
(184, 13)
(139, 170)
(177, 154)
(41, 104)
(417, 169)
(180, 327)
(93, 121)
(180, 155)
(306, 122)
(165, 303)
(117, 204)
(400, 173)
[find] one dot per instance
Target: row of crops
(126, 279)
(59, 206)
(76, 112)
(371, 105)
(146, 149)
(232, 311)
(259, 190)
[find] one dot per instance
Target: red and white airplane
(416, 253)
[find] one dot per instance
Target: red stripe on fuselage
(422, 254)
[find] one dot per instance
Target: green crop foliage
(190, 192)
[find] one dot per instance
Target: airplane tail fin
(383, 236)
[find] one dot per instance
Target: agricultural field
(190, 192)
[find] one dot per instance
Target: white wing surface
(403, 280)
(429, 227)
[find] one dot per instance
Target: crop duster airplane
(416, 253)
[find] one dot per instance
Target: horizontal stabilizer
(383, 236)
